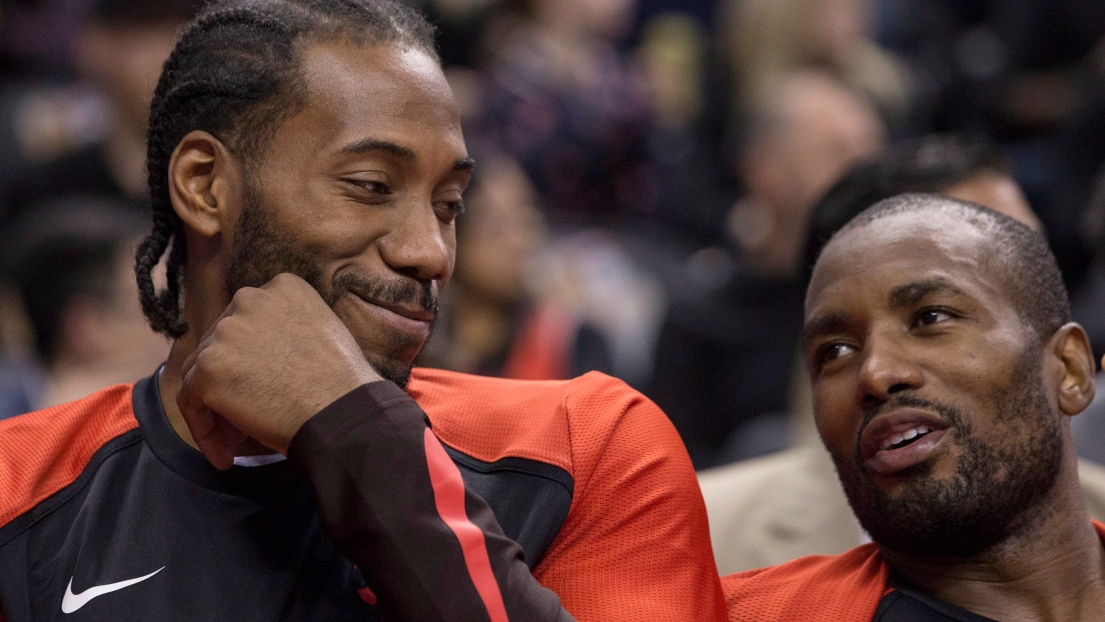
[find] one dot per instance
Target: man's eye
(831, 352)
(927, 317)
(375, 187)
(450, 209)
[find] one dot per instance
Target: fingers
(207, 428)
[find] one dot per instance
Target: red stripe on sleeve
(449, 498)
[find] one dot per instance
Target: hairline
(1000, 257)
(295, 97)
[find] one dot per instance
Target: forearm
(394, 504)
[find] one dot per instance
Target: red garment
(634, 544)
(838, 588)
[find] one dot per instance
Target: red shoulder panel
(45, 451)
(494, 418)
(841, 588)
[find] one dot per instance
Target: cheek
(837, 418)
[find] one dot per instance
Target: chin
(391, 369)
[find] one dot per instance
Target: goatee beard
(996, 489)
(262, 250)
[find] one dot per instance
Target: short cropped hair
(1028, 266)
(933, 163)
(235, 73)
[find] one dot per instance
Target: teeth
(905, 436)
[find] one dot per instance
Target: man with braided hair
(306, 165)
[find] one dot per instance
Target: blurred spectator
(726, 349)
(1029, 74)
(560, 98)
(119, 50)
(72, 265)
(790, 504)
(492, 324)
(1087, 305)
(1088, 301)
(972, 169)
(767, 39)
(36, 37)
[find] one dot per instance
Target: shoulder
(561, 422)
(839, 588)
(44, 451)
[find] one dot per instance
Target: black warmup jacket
(149, 530)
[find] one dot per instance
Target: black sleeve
(394, 504)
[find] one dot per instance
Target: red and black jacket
(581, 484)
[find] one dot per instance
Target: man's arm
(394, 503)
(278, 366)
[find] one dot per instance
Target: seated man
(306, 166)
(773, 509)
(944, 371)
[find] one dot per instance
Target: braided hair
(235, 73)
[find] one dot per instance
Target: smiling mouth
(414, 322)
(901, 439)
(908, 437)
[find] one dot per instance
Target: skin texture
(950, 346)
(362, 188)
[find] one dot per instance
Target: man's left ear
(1076, 387)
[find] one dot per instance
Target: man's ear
(1076, 387)
(204, 184)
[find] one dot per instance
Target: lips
(408, 319)
(900, 439)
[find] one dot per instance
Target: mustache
(398, 291)
(952, 415)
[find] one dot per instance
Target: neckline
(184, 460)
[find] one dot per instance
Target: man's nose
(419, 245)
(887, 368)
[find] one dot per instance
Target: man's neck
(1052, 570)
(168, 384)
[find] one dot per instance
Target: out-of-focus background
(648, 172)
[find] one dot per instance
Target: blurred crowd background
(650, 178)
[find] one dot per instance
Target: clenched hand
(275, 357)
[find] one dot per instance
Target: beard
(996, 490)
(263, 250)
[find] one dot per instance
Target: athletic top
(106, 514)
(855, 586)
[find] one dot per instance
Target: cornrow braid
(235, 74)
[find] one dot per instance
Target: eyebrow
(828, 323)
(912, 293)
(901, 296)
(370, 145)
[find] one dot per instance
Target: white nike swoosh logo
(72, 602)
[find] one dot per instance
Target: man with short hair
(306, 166)
(945, 370)
(787, 505)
